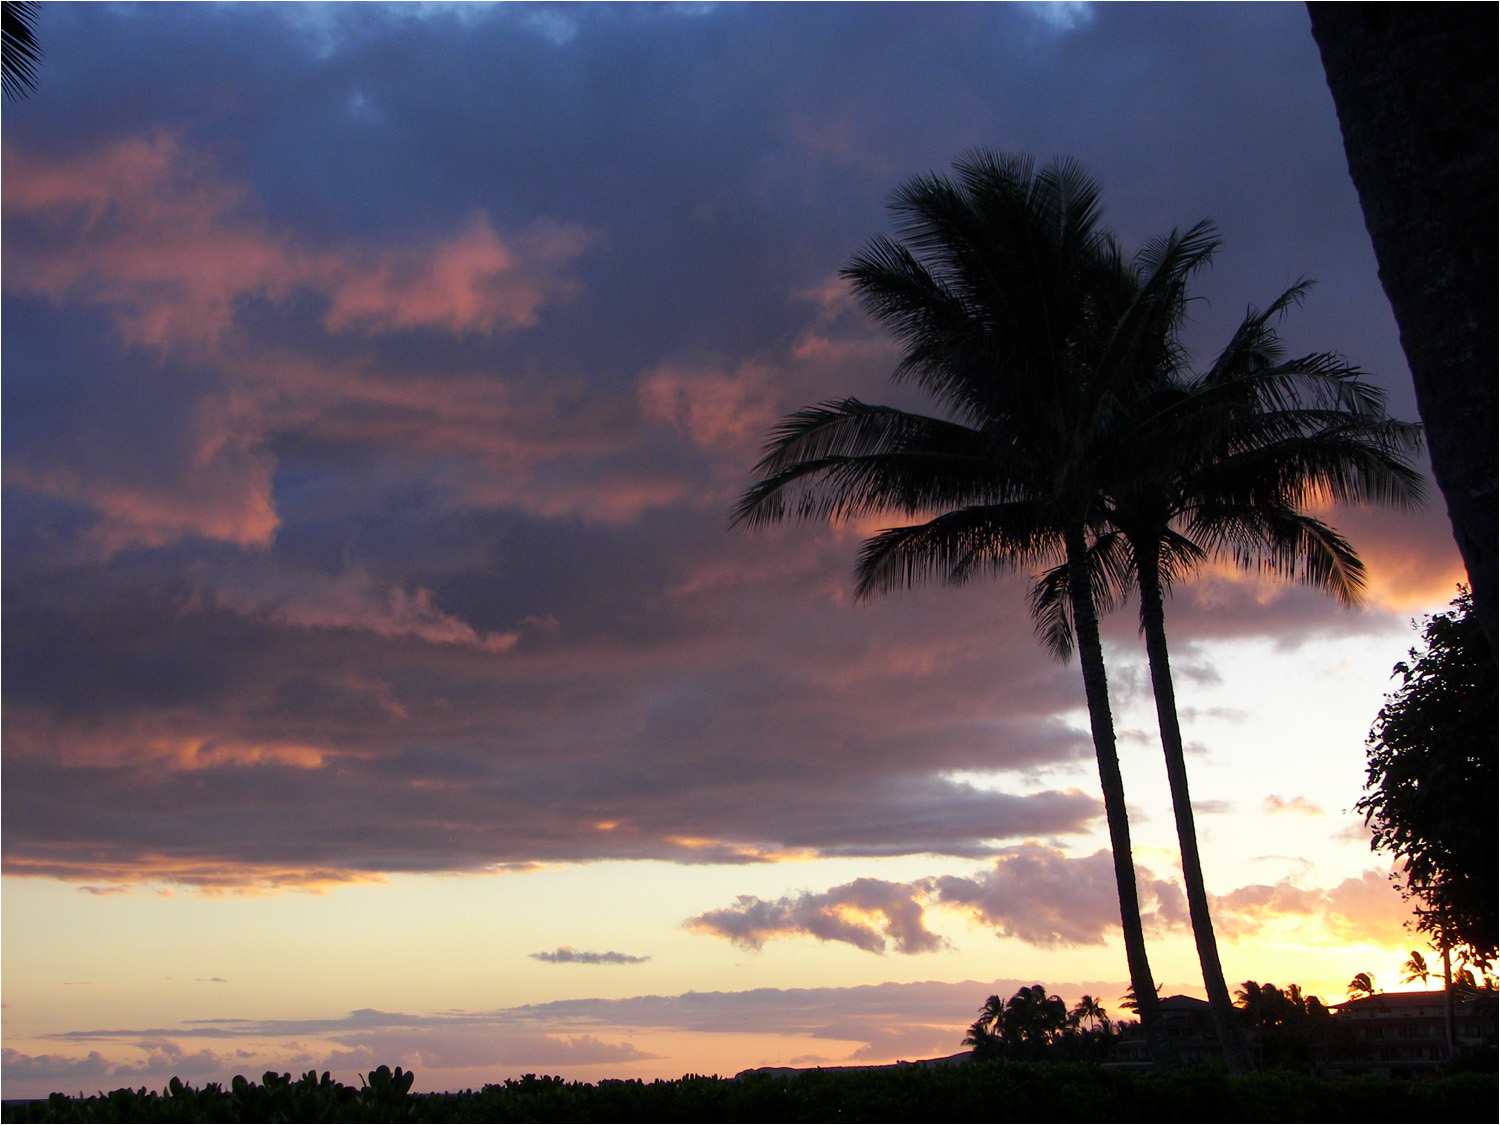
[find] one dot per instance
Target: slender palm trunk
(1101, 723)
(1447, 996)
(1154, 626)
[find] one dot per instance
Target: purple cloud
(567, 955)
(368, 450)
(1035, 893)
(865, 913)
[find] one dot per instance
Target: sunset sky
(381, 683)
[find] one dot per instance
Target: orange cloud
(1363, 909)
(1299, 805)
(207, 877)
(155, 747)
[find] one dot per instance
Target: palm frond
(1315, 554)
(954, 547)
(844, 458)
(1110, 578)
(20, 53)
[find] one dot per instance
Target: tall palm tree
(1024, 320)
(1224, 464)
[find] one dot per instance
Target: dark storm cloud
(378, 381)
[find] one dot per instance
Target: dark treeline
(977, 1091)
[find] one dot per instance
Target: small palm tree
(984, 1034)
(1415, 968)
(1363, 984)
(1089, 1009)
(1033, 1018)
(990, 1014)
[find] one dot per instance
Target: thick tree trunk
(1153, 624)
(1102, 725)
(1415, 90)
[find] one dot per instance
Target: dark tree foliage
(972, 1092)
(1292, 1030)
(18, 47)
(1430, 793)
(1035, 1026)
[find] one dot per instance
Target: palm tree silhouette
(1415, 968)
(985, 1033)
(1023, 319)
(1223, 464)
(1088, 1008)
(1363, 984)
(1032, 1018)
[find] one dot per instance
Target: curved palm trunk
(1101, 724)
(1153, 625)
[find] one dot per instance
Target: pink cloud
(355, 600)
(152, 231)
(546, 447)
(714, 408)
(1046, 898)
(1032, 892)
(470, 282)
(223, 494)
